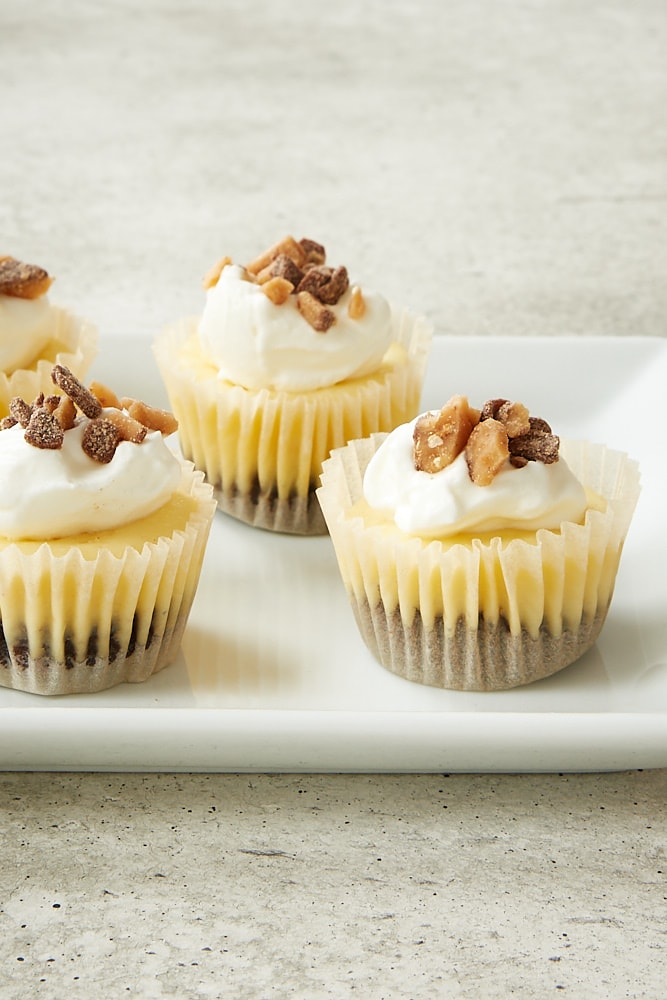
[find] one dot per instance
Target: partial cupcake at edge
(102, 536)
(478, 550)
(288, 360)
(36, 333)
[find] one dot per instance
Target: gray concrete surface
(501, 166)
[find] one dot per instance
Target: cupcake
(102, 536)
(35, 334)
(478, 551)
(287, 361)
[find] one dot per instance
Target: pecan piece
(439, 436)
(486, 451)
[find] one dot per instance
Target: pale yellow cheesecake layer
(264, 440)
(531, 580)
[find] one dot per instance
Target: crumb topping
(299, 268)
(23, 281)
(501, 430)
(110, 419)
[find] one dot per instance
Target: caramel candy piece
(486, 451)
(439, 436)
(23, 281)
(287, 246)
(105, 395)
(356, 307)
(151, 417)
(314, 312)
(211, 277)
(278, 290)
(128, 428)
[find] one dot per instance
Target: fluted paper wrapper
(483, 615)
(262, 450)
(73, 344)
(72, 625)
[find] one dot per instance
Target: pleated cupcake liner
(71, 624)
(73, 344)
(486, 614)
(263, 450)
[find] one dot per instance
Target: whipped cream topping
(53, 493)
(437, 505)
(258, 344)
(25, 329)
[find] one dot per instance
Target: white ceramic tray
(273, 675)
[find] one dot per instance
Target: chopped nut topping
(314, 312)
(77, 392)
(502, 430)
(287, 246)
(23, 281)
(100, 440)
(105, 395)
(278, 290)
(315, 252)
(153, 418)
(43, 430)
(282, 267)
(212, 275)
(128, 428)
(356, 307)
(47, 419)
(440, 436)
(486, 451)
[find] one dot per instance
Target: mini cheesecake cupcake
(288, 361)
(102, 536)
(35, 334)
(478, 551)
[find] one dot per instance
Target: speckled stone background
(501, 166)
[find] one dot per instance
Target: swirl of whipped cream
(258, 344)
(54, 493)
(437, 505)
(25, 329)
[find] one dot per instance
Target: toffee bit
(8, 422)
(100, 440)
(152, 417)
(317, 315)
(105, 395)
(20, 410)
(315, 252)
(44, 431)
(23, 281)
(65, 413)
(77, 392)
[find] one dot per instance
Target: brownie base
(488, 658)
(293, 515)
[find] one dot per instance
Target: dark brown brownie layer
(488, 658)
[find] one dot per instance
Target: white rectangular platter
(273, 676)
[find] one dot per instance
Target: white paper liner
(73, 344)
(262, 450)
(69, 624)
(481, 616)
